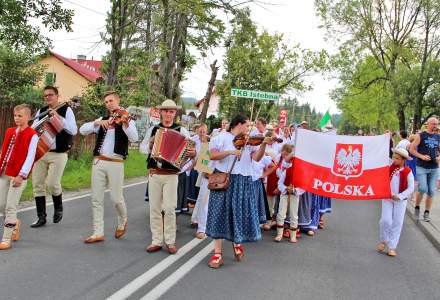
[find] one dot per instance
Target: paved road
(340, 262)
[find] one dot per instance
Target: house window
(50, 79)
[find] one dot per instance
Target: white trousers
(9, 198)
(107, 174)
(271, 202)
(200, 212)
(48, 170)
(198, 204)
(291, 202)
(162, 190)
(391, 221)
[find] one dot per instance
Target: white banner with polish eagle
(342, 167)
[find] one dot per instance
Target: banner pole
(294, 142)
(252, 108)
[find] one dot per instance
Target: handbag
(220, 181)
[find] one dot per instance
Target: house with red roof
(70, 76)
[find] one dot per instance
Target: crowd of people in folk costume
(260, 195)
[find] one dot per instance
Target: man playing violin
(113, 134)
(48, 170)
(162, 184)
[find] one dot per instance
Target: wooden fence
(6, 119)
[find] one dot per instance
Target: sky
(295, 19)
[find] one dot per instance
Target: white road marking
(74, 198)
(171, 280)
(143, 279)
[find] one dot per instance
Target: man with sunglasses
(49, 169)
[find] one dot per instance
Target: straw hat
(304, 123)
(402, 152)
(169, 104)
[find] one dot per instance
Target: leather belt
(162, 172)
(102, 157)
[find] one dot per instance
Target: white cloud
(88, 23)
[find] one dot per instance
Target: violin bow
(73, 102)
(247, 139)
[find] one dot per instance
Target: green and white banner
(258, 95)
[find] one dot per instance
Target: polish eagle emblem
(348, 160)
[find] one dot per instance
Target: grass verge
(77, 174)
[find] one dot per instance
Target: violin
(121, 116)
(242, 139)
(274, 137)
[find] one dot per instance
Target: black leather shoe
(40, 202)
(40, 222)
(58, 208)
(57, 216)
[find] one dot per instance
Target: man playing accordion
(163, 180)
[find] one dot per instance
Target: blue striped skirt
(314, 212)
(260, 196)
(233, 214)
(325, 204)
(304, 209)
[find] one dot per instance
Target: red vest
(403, 179)
(19, 150)
(272, 181)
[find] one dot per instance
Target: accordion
(171, 146)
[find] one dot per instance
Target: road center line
(171, 280)
(74, 198)
(143, 279)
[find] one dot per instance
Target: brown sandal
(292, 238)
(216, 261)
(278, 238)
(16, 233)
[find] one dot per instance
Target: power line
(85, 7)
(79, 38)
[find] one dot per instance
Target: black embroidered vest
(121, 140)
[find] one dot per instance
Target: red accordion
(47, 133)
(171, 146)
